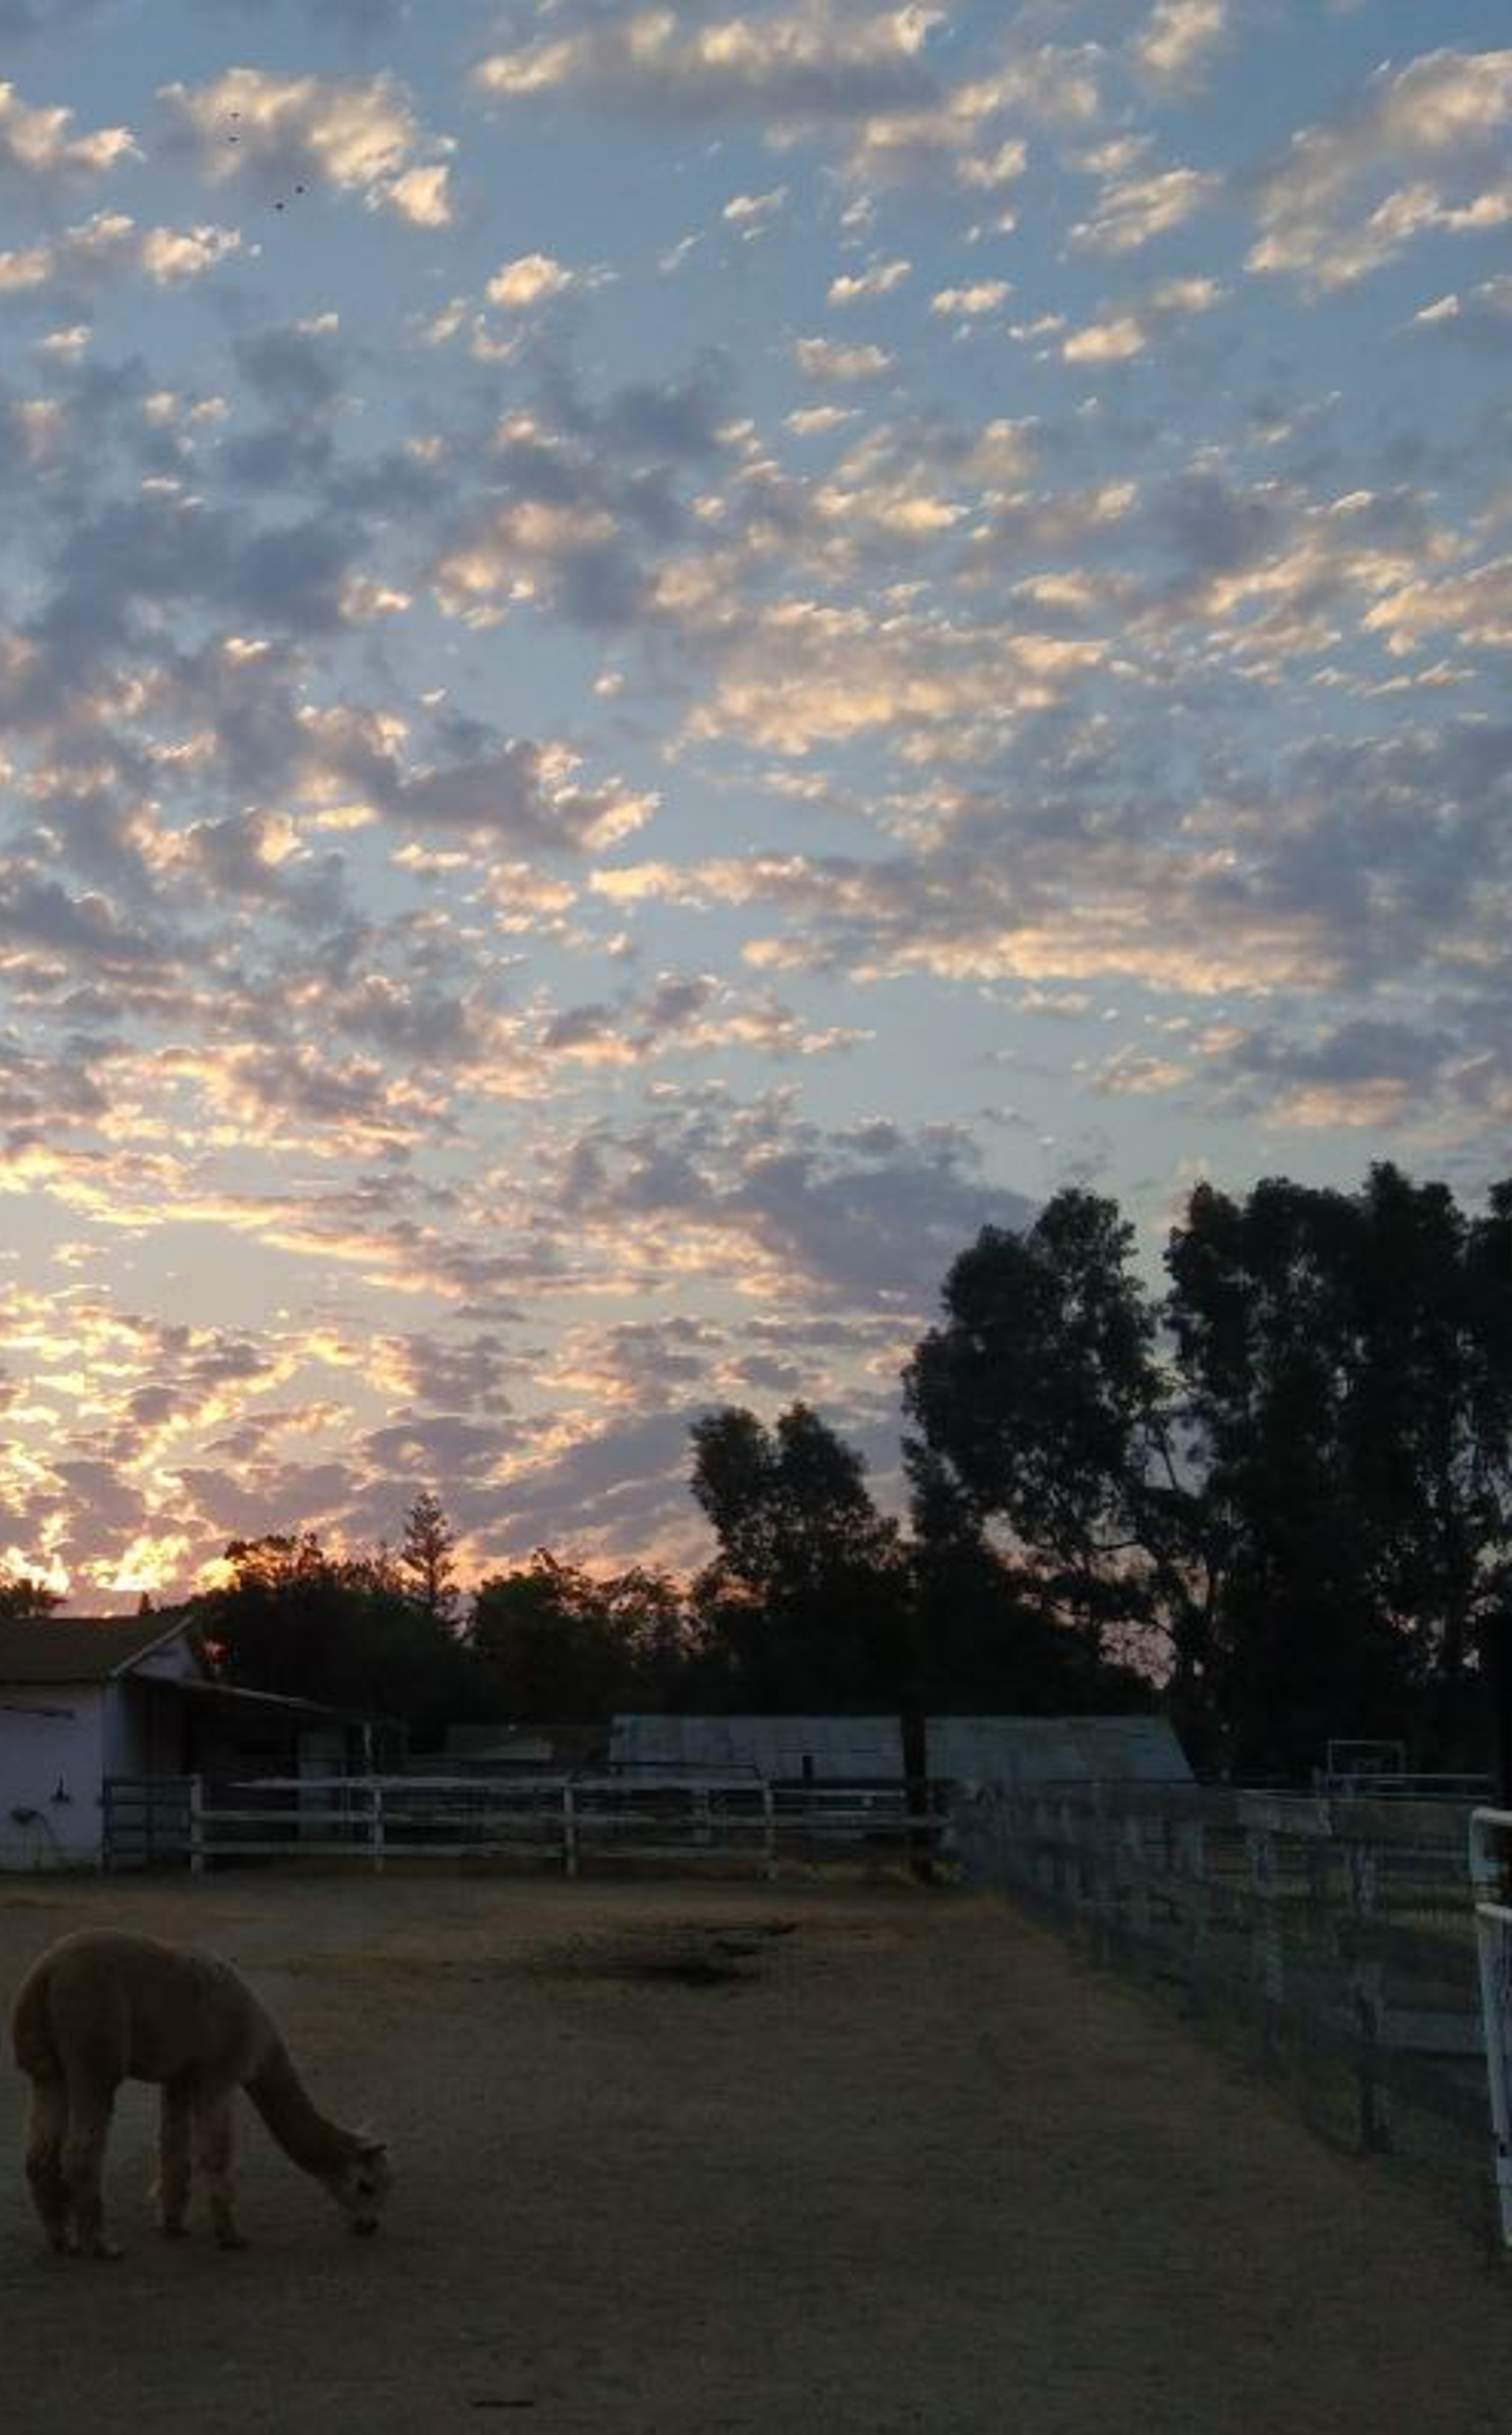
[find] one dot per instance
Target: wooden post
(1375, 2121)
(1499, 1655)
(919, 1842)
(1191, 1844)
(1267, 1966)
(1141, 1914)
(376, 1829)
(569, 1830)
(197, 1825)
(770, 1818)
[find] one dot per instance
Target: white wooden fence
(1337, 1933)
(572, 1822)
(1490, 1858)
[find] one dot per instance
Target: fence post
(770, 1820)
(569, 1830)
(1141, 1914)
(197, 1825)
(1375, 2121)
(1266, 1962)
(1105, 1892)
(1368, 1993)
(375, 1828)
(1047, 1825)
(1192, 1845)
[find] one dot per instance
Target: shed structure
(779, 1750)
(1022, 1752)
(86, 1701)
(1015, 1751)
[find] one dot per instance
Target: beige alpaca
(102, 2006)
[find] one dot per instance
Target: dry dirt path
(909, 2168)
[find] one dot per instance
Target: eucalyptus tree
(1346, 1361)
(809, 1591)
(1044, 1417)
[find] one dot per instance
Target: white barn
(85, 1701)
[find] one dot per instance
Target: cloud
(887, 1214)
(524, 795)
(37, 148)
(1148, 318)
(1423, 150)
(293, 367)
(785, 65)
(572, 505)
(826, 359)
(1481, 318)
(600, 1491)
(859, 78)
(1356, 1073)
(756, 1193)
(357, 136)
(531, 278)
(109, 247)
(753, 215)
(168, 547)
(806, 674)
(1134, 208)
(85, 931)
(1179, 41)
(1309, 880)
(983, 296)
(1473, 605)
(879, 279)
(1054, 84)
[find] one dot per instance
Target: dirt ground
(675, 2158)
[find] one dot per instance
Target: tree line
(1273, 1496)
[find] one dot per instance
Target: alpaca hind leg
(175, 2159)
(46, 2127)
(89, 2128)
(215, 2152)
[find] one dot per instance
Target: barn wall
(51, 1739)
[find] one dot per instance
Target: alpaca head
(361, 2182)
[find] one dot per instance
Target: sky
(654, 660)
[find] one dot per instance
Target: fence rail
(1339, 1932)
(568, 1822)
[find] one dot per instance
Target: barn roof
(1047, 1750)
(977, 1749)
(79, 1648)
(780, 1748)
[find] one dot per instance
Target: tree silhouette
(340, 1629)
(1041, 1409)
(427, 1555)
(25, 1599)
(810, 1590)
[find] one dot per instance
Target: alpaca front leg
(89, 2126)
(175, 2161)
(214, 2150)
(46, 2127)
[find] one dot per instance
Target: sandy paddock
(684, 2157)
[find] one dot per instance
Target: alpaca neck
(303, 2133)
